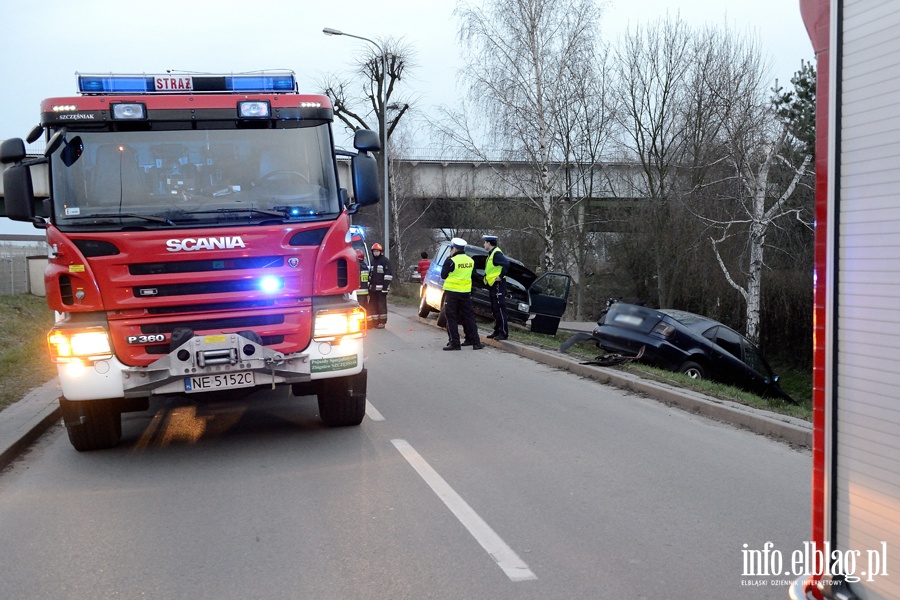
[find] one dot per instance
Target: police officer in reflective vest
(495, 269)
(457, 275)
(380, 277)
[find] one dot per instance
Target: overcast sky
(44, 43)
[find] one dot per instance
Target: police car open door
(549, 294)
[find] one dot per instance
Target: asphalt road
(477, 474)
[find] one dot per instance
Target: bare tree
(652, 67)
(408, 210)
(364, 101)
(584, 126)
(520, 55)
(758, 142)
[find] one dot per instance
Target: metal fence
(16, 263)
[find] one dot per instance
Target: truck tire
(91, 424)
(342, 400)
(424, 309)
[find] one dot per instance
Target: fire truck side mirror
(12, 151)
(35, 134)
(364, 171)
(18, 191)
(366, 140)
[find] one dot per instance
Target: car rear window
(685, 318)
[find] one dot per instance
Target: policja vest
(492, 271)
(460, 278)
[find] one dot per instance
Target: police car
(540, 299)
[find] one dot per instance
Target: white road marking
(372, 412)
(514, 567)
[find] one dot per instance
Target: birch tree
(758, 143)
(519, 58)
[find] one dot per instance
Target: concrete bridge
(437, 175)
(492, 179)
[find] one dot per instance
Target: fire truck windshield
(193, 178)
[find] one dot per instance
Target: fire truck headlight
(254, 110)
(130, 111)
(332, 325)
(270, 284)
(91, 344)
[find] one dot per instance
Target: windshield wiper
(260, 211)
(286, 213)
(152, 219)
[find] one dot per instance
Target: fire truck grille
(200, 325)
(267, 340)
(205, 266)
(211, 307)
(195, 288)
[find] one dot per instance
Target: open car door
(549, 294)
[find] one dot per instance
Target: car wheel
(692, 370)
(442, 317)
(424, 309)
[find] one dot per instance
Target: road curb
(26, 420)
(789, 429)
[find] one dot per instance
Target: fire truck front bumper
(209, 363)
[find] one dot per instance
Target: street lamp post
(384, 132)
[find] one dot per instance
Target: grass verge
(798, 384)
(24, 323)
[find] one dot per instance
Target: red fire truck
(199, 241)
(855, 536)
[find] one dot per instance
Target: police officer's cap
(490, 238)
(458, 242)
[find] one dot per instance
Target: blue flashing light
(260, 83)
(98, 84)
(270, 284)
(273, 82)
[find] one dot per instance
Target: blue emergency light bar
(172, 83)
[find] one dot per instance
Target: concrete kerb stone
(26, 420)
(789, 429)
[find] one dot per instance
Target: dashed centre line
(514, 567)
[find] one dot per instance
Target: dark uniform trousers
(458, 309)
(498, 307)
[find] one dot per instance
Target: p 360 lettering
(152, 338)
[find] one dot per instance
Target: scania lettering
(190, 244)
(199, 241)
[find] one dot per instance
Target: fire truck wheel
(342, 401)
(91, 424)
(424, 309)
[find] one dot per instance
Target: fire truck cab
(199, 242)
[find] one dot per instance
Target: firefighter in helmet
(380, 277)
